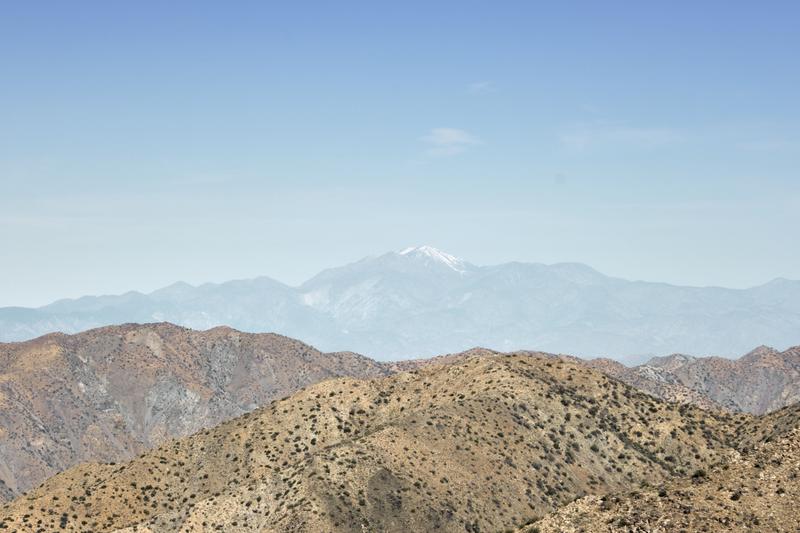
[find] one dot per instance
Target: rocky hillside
(762, 381)
(659, 385)
(485, 444)
(759, 382)
(751, 492)
(109, 393)
(658, 382)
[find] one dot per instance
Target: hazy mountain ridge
(422, 302)
(484, 444)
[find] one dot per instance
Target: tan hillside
(654, 381)
(767, 428)
(483, 445)
(445, 359)
(110, 393)
(753, 492)
(762, 381)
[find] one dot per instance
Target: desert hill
(756, 491)
(485, 444)
(759, 382)
(109, 393)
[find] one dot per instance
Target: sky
(142, 143)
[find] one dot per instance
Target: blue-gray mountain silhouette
(421, 302)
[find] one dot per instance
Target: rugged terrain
(658, 382)
(754, 491)
(422, 302)
(109, 393)
(485, 444)
(759, 382)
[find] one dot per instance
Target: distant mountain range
(421, 301)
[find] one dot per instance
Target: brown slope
(656, 381)
(764, 380)
(760, 382)
(109, 393)
(767, 428)
(409, 365)
(752, 492)
(482, 445)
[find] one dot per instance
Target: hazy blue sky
(147, 142)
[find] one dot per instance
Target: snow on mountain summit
(429, 253)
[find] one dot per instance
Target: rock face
(485, 444)
(109, 393)
(764, 380)
(756, 491)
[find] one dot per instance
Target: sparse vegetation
(483, 445)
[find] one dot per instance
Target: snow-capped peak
(432, 254)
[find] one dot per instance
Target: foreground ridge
(756, 491)
(483, 445)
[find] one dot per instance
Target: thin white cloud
(481, 87)
(602, 135)
(448, 141)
